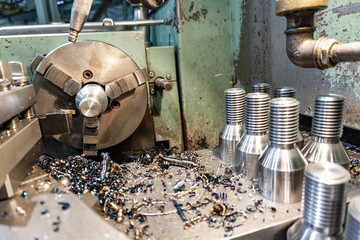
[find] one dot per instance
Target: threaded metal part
(262, 87)
(324, 198)
(352, 226)
(257, 112)
(328, 117)
(284, 120)
(235, 105)
(73, 35)
(285, 92)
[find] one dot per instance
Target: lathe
(164, 126)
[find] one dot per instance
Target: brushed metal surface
(352, 226)
(324, 203)
(326, 150)
(248, 151)
(281, 173)
(15, 100)
(229, 137)
(17, 145)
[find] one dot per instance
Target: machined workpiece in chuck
(324, 203)
(234, 127)
(262, 87)
(281, 165)
(327, 127)
(256, 138)
(290, 92)
(352, 226)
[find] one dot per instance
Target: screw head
(151, 74)
(152, 91)
(168, 77)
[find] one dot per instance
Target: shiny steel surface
(106, 63)
(255, 139)
(329, 116)
(15, 101)
(285, 92)
(262, 87)
(352, 226)
(19, 73)
(235, 105)
(281, 165)
(234, 127)
(324, 203)
(290, 92)
(91, 100)
(5, 75)
(284, 120)
(327, 126)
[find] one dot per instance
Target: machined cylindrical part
(325, 192)
(281, 165)
(255, 139)
(327, 126)
(235, 105)
(290, 92)
(352, 226)
(262, 87)
(284, 120)
(324, 203)
(285, 92)
(234, 127)
(91, 100)
(257, 113)
(328, 116)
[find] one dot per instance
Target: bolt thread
(324, 196)
(262, 87)
(284, 120)
(235, 105)
(328, 117)
(352, 230)
(285, 92)
(257, 112)
(73, 35)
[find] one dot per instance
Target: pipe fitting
(301, 47)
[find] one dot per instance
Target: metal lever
(79, 14)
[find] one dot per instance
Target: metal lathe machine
(187, 120)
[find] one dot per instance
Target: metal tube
(345, 52)
(63, 28)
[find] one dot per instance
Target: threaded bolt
(324, 199)
(328, 117)
(284, 120)
(235, 105)
(73, 35)
(257, 113)
(262, 87)
(285, 92)
(352, 226)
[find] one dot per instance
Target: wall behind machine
(260, 55)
